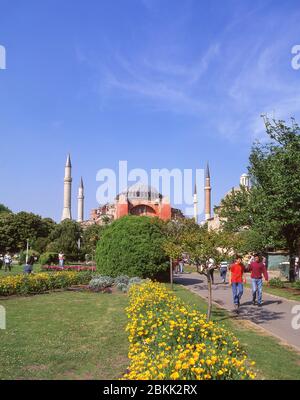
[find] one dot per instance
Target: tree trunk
(171, 273)
(292, 266)
(209, 296)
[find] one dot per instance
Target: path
(275, 316)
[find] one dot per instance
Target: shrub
(100, 282)
(169, 340)
(276, 282)
(122, 286)
(296, 285)
(41, 282)
(48, 258)
(131, 246)
(122, 279)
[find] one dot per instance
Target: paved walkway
(275, 315)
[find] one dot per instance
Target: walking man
(257, 269)
(223, 270)
(236, 279)
(7, 261)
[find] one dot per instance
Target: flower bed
(169, 340)
(78, 268)
(38, 283)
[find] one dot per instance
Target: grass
(65, 335)
(285, 292)
(18, 269)
(81, 335)
(273, 360)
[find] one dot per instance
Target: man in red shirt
(236, 278)
(257, 269)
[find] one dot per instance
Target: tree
(65, 237)
(201, 244)
(4, 209)
(175, 231)
(15, 229)
(91, 236)
(132, 245)
(275, 171)
(271, 209)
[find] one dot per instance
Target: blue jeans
(223, 272)
(181, 267)
(237, 291)
(61, 263)
(257, 289)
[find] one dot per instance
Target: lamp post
(27, 250)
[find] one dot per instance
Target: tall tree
(275, 171)
(271, 209)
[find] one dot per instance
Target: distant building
(215, 221)
(138, 199)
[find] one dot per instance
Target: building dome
(142, 192)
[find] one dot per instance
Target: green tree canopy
(4, 209)
(271, 209)
(15, 229)
(65, 237)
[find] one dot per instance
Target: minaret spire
(207, 190)
(66, 214)
(80, 202)
(195, 205)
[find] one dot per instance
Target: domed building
(138, 199)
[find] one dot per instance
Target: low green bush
(99, 282)
(296, 285)
(48, 258)
(276, 282)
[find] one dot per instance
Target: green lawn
(81, 335)
(273, 360)
(65, 335)
(281, 292)
(18, 269)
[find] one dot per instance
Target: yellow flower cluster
(40, 282)
(169, 340)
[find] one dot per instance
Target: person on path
(28, 267)
(7, 261)
(211, 267)
(237, 270)
(223, 270)
(258, 270)
(181, 264)
(61, 259)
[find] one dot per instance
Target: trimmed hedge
(132, 246)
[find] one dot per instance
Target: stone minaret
(195, 205)
(66, 214)
(207, 190)
(80, 198)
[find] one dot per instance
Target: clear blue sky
(160, 83)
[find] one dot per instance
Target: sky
(159, 83)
